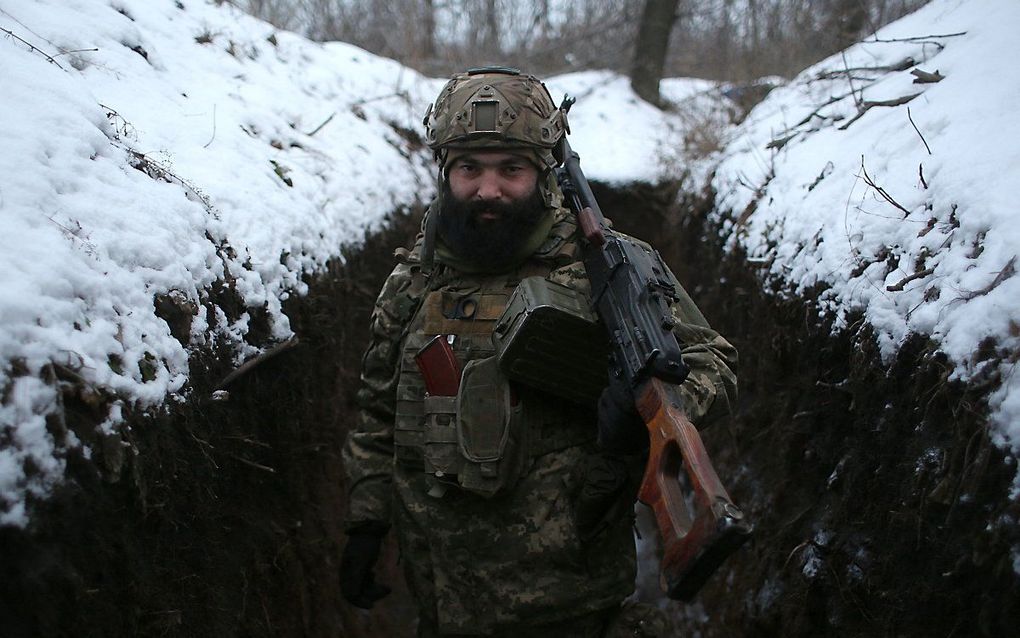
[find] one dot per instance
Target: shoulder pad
(412, 256)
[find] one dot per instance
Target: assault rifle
(631, 290)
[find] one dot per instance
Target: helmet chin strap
(428, 246)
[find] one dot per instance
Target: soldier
(533, 537)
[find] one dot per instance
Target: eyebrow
(509, 161)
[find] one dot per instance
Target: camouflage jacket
(477, 564)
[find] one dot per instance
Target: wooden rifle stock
(699, 524)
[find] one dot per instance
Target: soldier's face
(491, 204)
(489, 176)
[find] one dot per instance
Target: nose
(489, 186)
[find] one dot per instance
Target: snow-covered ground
(623, 139)
(908, 213)
(155, 147)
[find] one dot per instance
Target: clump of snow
(906, 212)
(154, 151)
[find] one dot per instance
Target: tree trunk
(650, 49)
(846, 21)
(428, 36)
(491, 28)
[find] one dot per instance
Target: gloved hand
(598, 500)
(357, 579)
(621, 430)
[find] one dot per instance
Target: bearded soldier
(512, 512)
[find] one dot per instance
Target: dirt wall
(879, 503)
(214, 517)
(881, 507)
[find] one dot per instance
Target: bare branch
(257, 466)
(881, 191)
(1007, 271)
(902, 65)
(868, 105)
(249, 365)
(898, 286)
(920, 38)
(909, 117)
(206, 145)
(319, 127)
(33, 48)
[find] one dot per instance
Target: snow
(623, 139)
(147, 144)
(170, 146)
(140, 162)
(934, 258)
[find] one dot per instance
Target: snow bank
(908, 212)
(157, 151)
(151, 149)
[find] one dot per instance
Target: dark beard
(488, 241)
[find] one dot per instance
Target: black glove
(357, 580)
(599, 498)
(621, 430)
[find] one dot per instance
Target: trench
(871, 486)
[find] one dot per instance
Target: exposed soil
(227, 520)
(879, 503)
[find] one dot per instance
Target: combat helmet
(495, 107)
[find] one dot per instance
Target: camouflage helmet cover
(497, 108)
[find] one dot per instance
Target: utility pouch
(475, 440)
(441, 454)
(490, 430)
(549, 338)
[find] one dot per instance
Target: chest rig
(481, 440)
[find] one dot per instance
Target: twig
(902, 65)
(206, 145)
(794, 551)
(898, 286)
(919, 38)
(249, 365)
(66, 51)
(850, 79)
(817, 112)
(881, 191)
(253, 464)
(204, 453)
(867, 105)
(401, 94)
(319, 127)
(1007, 271)
(780, 143)
(920, 173)
(909, 117)
(33, 48)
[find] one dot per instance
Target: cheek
(522, 188)
(460, 187)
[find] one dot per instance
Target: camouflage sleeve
(710, 390)
(368, 451)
